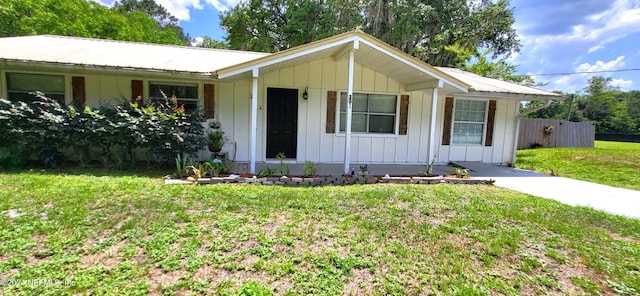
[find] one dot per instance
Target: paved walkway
(568, 191)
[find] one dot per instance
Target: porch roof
(490, 87)
(369, 52)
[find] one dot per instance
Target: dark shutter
(404, 114)
(209, 100)
(136, 91)
(79, 93)
(448, 118)
(491, 117)
(331, 111)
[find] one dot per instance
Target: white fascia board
(286, 57)
(413, 65)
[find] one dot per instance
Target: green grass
(611, 163)
(132, 235)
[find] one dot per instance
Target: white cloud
(579, 43)
(595, 48)
(182, 8)
(618, 63)
(622, 84)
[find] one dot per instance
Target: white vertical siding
(501, 150)
(314, 143)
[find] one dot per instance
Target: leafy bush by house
(110, 134)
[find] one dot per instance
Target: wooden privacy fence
(551, 133)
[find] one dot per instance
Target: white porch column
(432, 126)
(254, 121)
(347, 140)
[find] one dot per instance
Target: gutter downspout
(516, 133)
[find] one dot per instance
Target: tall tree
(422, 28)
(156, 11)
(599, 85)
(80, 18)
(276, 25)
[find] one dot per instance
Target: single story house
(346, 99)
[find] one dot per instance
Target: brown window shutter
(448, 120)
(404, 114)
(136, 91)
(79, 93)
(331, 111)
(209, 100)
(491, 117)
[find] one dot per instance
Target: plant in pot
(215, 140)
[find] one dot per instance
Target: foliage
(183, 163)
(156, 11)
(267, 171)
(460, 172)
(117, 233)
(213, 167)
(610, 163)
(613, 111)
(208, 42)
(215, 140)
(430, 166)
(84, 18)
(51, 158)
(421, 29)
(112, 134)
(284, 167)
(309, 169)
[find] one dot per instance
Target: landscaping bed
(329, 180)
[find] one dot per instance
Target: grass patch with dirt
(116, 234)
(611, 163)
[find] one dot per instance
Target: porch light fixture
(305, 94)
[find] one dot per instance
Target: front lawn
(116, 235)
(610, 163)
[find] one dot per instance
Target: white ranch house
(346, 99)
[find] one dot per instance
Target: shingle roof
(120, 54)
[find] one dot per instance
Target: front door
(282, 122)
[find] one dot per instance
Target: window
(468, 121)
(20, 85)
(187, 94)
(372, 113)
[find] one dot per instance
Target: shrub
(45, 127)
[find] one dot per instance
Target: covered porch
(353, 48)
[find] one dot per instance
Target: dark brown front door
(282, 122)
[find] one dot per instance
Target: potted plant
(215, 140)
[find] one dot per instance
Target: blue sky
(558, 36)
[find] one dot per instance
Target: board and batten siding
(501, 150)
(313, 143)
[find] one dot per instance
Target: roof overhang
(369, 52)
(34, 65)
(510, 96)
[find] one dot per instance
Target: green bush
(110, 134)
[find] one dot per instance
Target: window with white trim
(21, 85)
(186, 94)
(468, 121)
(372, 113)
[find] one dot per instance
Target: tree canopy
(83, 18)
(424, 28)
(612, 110)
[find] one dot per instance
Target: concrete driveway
(573, 192)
